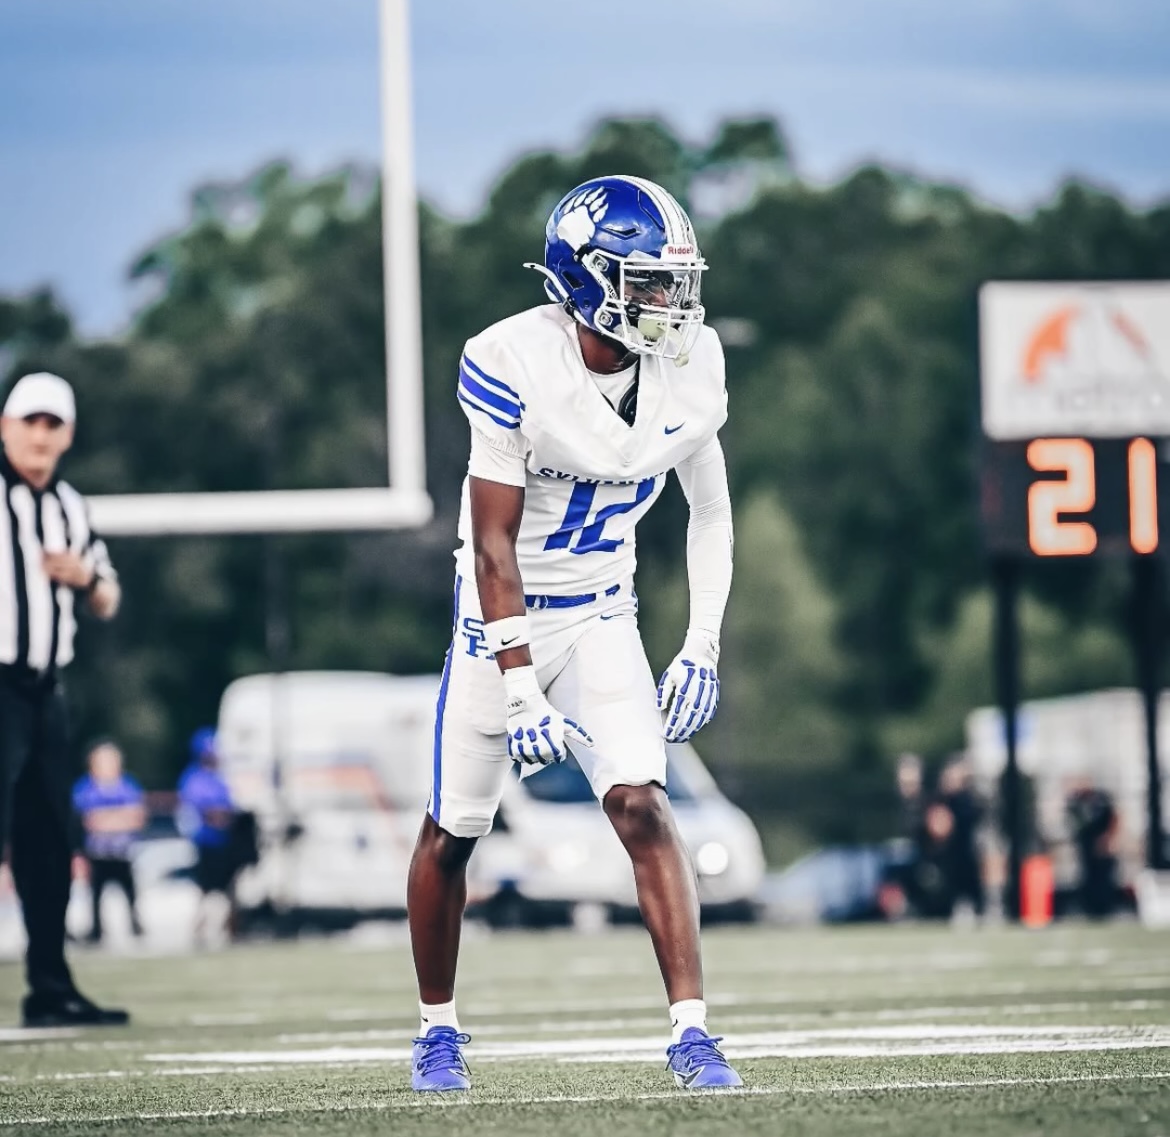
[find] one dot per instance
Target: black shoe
(72, 1009)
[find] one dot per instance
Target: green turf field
(869, 1031)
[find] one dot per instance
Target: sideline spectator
(899, 890)
(110, 805)
(205, 816)
(932, 881)
(911, 799)
(1094, 824)
(966, 872)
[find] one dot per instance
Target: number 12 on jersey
(588, 533)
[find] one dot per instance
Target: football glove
(537, 733)
(688, 691)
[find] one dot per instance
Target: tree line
(860, 620)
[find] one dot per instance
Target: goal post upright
(403, 502)
(400, 262)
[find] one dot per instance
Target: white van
(337, 767)
(553, 853)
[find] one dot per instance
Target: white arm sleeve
(703, 477)
(496, 459)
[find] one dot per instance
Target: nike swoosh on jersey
(506, 643)
(672, 429)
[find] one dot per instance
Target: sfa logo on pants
(472, 631)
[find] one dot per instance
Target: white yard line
(36, 1034)
(100, 1075)
(240, 1018)
(326, 1056)
(900, 1037)
(21, 1040)
(723, 1021)
(894, 1040)
(898, 1050)
(778, 993)
(444, 1102)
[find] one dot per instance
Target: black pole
(1005, 571)
(1147, 645)
(277, 642)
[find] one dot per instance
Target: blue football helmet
(620, 257)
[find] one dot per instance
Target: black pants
(110, 870)
(968, 880)
(215, 868)
(36, 818)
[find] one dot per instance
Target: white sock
(437, 1014)
(687, 1013)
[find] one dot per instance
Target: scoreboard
(1076, 419)
(1076, 496)
(1075, 386)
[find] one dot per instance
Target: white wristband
(510, 632)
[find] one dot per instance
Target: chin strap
(554, 288)
(627, 407)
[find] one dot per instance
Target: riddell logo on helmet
(679, 251)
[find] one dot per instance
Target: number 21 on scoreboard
(1076, 492)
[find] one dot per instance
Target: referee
(49, 559)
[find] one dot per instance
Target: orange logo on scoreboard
(1088, 341)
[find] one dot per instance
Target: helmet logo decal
(582, 214)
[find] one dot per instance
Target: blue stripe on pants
(440, 708)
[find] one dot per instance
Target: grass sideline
(874, 1031)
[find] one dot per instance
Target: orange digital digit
(1143, 496)
(1048, 535)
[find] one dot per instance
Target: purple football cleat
(697, 1063)
(437, 1062)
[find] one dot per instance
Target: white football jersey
(590, 477)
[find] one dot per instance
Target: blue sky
(115, 109)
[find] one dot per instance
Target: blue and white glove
(537, 733)
(688, 691)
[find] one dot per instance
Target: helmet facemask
(650, 305)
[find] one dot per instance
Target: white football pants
(592, 667)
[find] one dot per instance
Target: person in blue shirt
(205, 817)
(111, 806)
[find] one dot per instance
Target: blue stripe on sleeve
(491, 380)
(474, 389)
(508, 424)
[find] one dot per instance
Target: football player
(579, 409)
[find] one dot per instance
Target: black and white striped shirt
(37, 622)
